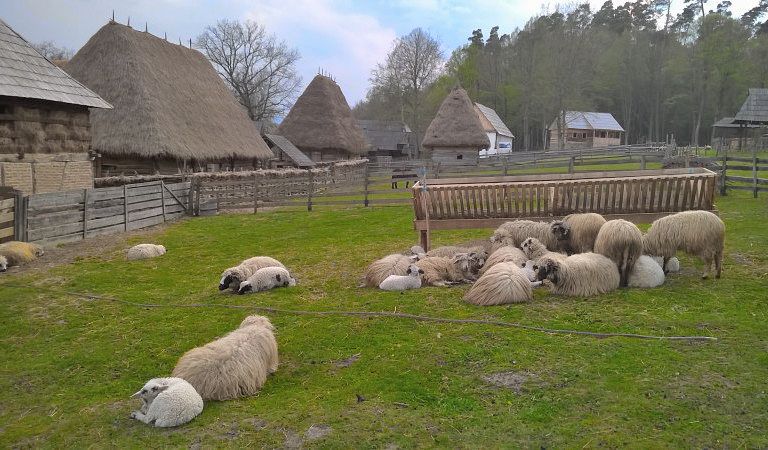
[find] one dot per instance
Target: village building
(45, 135)
(172, 112)
(321, 125)
(586, 130)
(749, 127)
(498, 133)
(286, 154)
(388, 138)
(455, 135)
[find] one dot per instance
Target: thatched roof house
(171, 109)
(455, 134)
(321, 125)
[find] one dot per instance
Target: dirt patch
(318, 431)
(742, 259)
(257, 423)
(348, 361)
(292, 439)
(509, 380)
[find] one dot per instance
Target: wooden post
(570, 165)
(506, 160)
(125, 206)
(365, 186)
(162, 197)
(437, 170)
(85, 212)
(18, 216)
(642, 162)
(255, 193)
(310, 188)
(754, 170)
(723, 172)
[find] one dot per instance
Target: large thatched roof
(168, 100)
(456, 124)
(321, 120)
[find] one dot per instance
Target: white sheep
(14, 253)
(506, 253)
(535, 250)
(673, 265)
(394, 264)
(515, 232)
(235, 365)
(439, 271)
(622, 242)
(530, 273)
(577, 232)
(267, 278)
(477, 256)
(646, 273)
(167, 402)
(580, 275)
(3, 263)
(411, 280)
(699, 233)
(232, 277)
(144, 251)
(503, 283)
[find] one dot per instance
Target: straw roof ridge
(322, 120)
(168, 100)
(456, 124)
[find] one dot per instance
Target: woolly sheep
(267, 278)
(235, 365)
(698, 233)
(144, 251)
(3, 264)
(580, 275)
(673, 265)
(411, 280)
(503, 283)
(167, 402)
(439, 271)
(646, 273)
(622, 243)
(449, 251)
(530, 273)
(515, 232)
(14, 253)
(506, 253)
(379, 270)
(232, 277)
(577, 232)
(535, 250)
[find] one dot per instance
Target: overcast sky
(344, 37)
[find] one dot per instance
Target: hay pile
(456, 124)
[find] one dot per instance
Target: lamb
(530, 273)
(439, 271)
(235, 365)
(622, 243)
(577, 232)
(535, 250)
(232, 277)
(646, 273)
(699, 233)
(506, 253)
(167, 402)
(14, 253)
(379, 270)
(515, 232)
(411, 280)
(503, 283)
(144, 251)
(673, 265)
(580, 275)
(267, 278)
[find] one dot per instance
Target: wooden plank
(105, 221)
(150, 188)
(105, 230)
(47, 220)
(651, 206)
(149, 204)
(54, 231)
(109, 193)
(746, 179)
(6, 216)
(143, 223)
(6, 232)
(143, 198)
(143, 214)
(7, 203)
(748, 188)
(55, 199)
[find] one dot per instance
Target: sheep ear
(408, 271)
(161, 388)
(277, 277)
(421, 271)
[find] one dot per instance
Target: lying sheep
(580, 275)
(646, 273)
(144, 251)
(535, 250)
(699, 233)
(411, 280)
(506, 253)
(379, 270)
(439, 271)
(232, 277)
(235, 365)
(449, 251)
(267, 278)
(673, 265)
(515, 232)
(167, 402)
(622, 243)
(577, 232)
(530, 273)
(14, 253)
(503, 283)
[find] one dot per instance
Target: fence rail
(753, 184)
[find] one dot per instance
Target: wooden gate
(9, 199)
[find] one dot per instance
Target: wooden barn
(498, 133)
(455, 135)
(321, 125)
(388, 138)
(45, 135)
(172, 112)
(585, 129)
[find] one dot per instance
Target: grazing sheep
(235, 365)
(506, 253)
(411, 280)
(646, 273)
(673, 265)
(394, 264)
(232, 277)
(503, 283)
(580, 275)
(698, 233)
(577, 232)
(167, 402)
(622, 243)
(439, 271)
(16, 252)
(515, 232)
(144, 251)
(267, 278)
(535, 250)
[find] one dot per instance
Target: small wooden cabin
(498, 133)
(585, 130)
(455, 135)
(388, 138)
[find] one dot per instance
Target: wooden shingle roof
(297, 156)
(755, 107)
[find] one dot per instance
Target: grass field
(70, 363)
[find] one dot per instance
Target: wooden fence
(752, 183)
(9, 199)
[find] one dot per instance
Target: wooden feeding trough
(640, 196)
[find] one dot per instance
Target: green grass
(70, 364)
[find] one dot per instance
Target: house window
(583, 135)
(574, 135)
(603, 134)
(5, 109)
(459, 156)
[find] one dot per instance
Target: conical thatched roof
(321, 120)
(168, 100)
(456, 124)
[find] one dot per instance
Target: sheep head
(3, 264)
(414, 270)
(231, 278)
(547, 269)
(257, 320)
(561, 230)
(151, 390)
(245, 287)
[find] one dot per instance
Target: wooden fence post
(18, 216)
(310, 188)
(570, 165)
(723, 173)
(365, 186)
(754, 170)
(437, 170)
(85, 212)
(506, 160)
(642, 162)
(125, 206)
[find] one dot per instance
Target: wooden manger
(640, 196)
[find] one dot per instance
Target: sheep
(580, 275)
(621, 242)
(144, 251)
(267, 278)
(232, 277)
(535, 250)
(530, 273)
(673, 265)
(449, 251)
(646, 273)
(235, 365)
(167, 402)
(411, 280)
(506, 253)
(14, 253)
(379, 270)
(698, 233)
(503, 283)
(577, 232)
(439, 271)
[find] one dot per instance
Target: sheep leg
(707, 266)
(138, 415)
(718, 263)
(664, 265)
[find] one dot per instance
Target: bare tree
(53, 52)
(260, 70)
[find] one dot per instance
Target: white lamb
(232, 277)
(411, 280)
(167, 402)
(646, 273)
(530, 273)
(145, 251)
(673, 265)
(266, 279)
